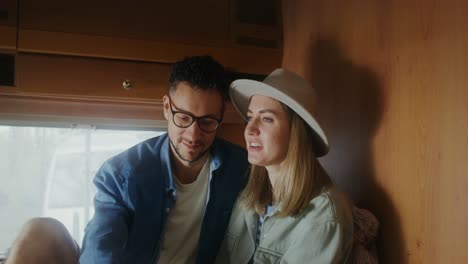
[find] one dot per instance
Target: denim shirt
(321, 233)
(135, 193)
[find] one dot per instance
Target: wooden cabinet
(71, 58)
(157, 31)
(8, 18)
(70, 88)
(75, 88)
(90, 78)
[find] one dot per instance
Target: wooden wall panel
(393, 87)
(233, 133)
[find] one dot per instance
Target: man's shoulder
(141, 154)
(232, 159)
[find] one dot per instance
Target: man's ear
(166, 107)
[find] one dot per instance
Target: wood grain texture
(75, 77)
(155, 31)
(8, 39)
(204, 22)
(8, 25)
(243, 59)
(392, 81)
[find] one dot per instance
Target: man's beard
(177, 152)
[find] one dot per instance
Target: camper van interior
(81, 81)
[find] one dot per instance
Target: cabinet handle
(127, 84)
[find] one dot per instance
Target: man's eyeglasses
(206, 124)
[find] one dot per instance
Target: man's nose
(194, 131)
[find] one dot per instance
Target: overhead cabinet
(90, 78)
(69, 86)
(158, 31)
(8, 27)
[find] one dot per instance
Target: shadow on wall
(350, 109)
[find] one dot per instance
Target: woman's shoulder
(330, 205)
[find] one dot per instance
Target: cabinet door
(178, 21)
(160, 31)
(80, 78)
(8, 24)
(54, 88)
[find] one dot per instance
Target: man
(169, 199)
(165, 200)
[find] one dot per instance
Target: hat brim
(242, 90)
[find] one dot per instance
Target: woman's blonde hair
(300, 178)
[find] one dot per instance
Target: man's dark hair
(200, 72)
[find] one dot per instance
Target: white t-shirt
(183, 225)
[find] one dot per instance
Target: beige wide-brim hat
(288, 88)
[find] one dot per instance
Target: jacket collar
(166, 167)
(251, 220)
(217, 154)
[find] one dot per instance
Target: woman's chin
(255, 161)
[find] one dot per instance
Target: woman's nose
(252, 128)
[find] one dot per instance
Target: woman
(290, 211)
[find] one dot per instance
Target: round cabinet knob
(127, 84)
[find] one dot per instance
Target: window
(49, 171)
